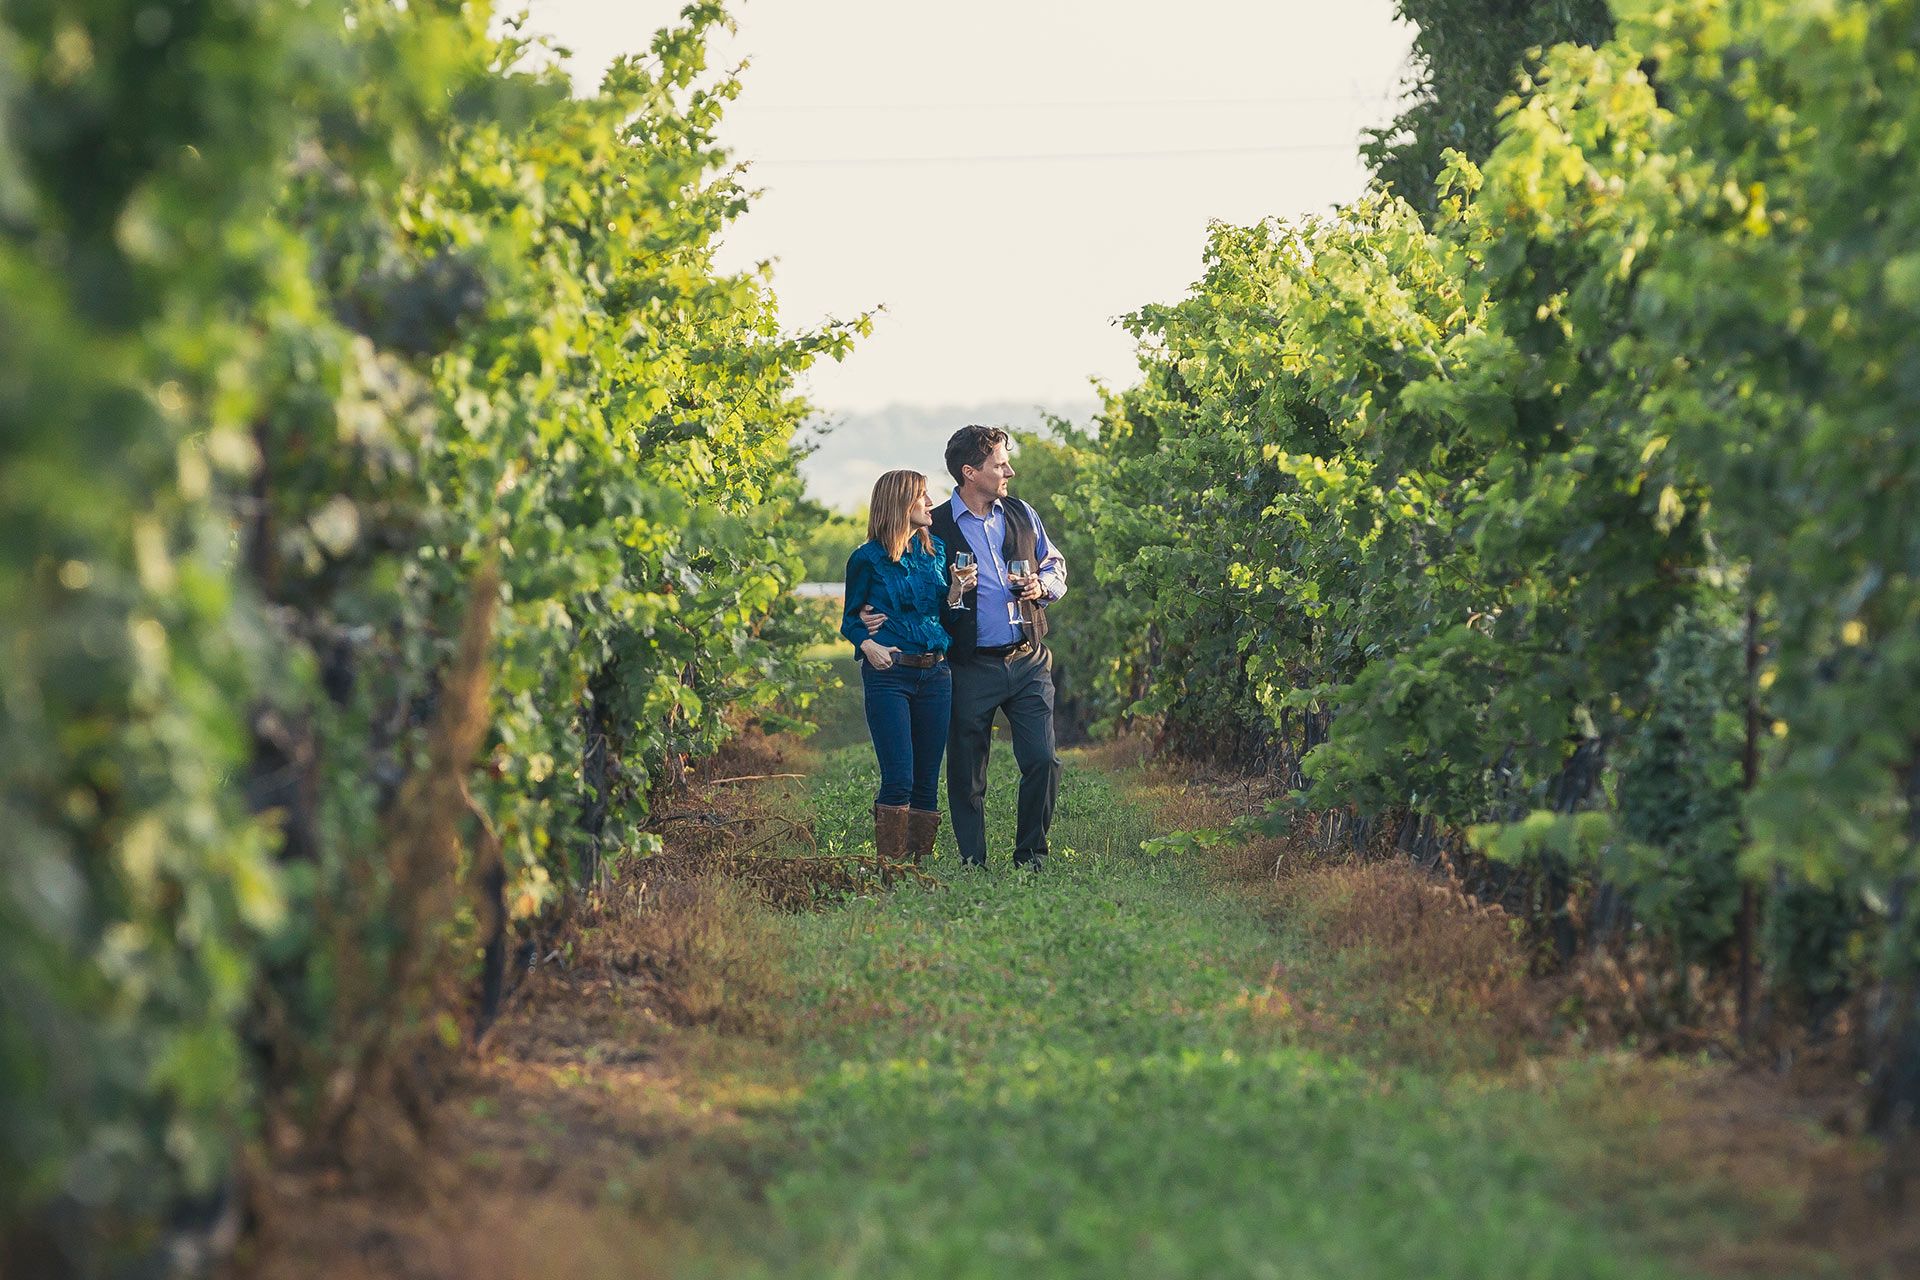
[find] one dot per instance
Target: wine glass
(962, 560)
(1018, 572)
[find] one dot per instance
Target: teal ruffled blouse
(909, 591)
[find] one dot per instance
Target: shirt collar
(959, 508)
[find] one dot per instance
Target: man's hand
(1029, 588)
(872, 618)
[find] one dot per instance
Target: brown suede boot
(922, 826)
(890, 831)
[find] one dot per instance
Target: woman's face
(920, 511)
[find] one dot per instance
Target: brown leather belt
(922, 660)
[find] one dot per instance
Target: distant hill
(851, 449)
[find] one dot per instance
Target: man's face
(993, 474)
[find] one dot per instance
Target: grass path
(1088, 1073)
(1076, 1074)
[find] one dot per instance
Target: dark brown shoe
(890, 831)
(922, 826)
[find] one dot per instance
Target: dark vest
(1021, 543)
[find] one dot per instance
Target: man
(997, 656)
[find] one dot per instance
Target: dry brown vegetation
(588, 1119)
(754, 835)
(703, 950)
(1826, 1203)
(1447, 975)
(1406, 963)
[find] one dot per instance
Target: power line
(1382, 99)
(810, 162)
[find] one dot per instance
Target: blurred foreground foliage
(392, 494)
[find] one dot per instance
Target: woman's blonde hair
(887, 523)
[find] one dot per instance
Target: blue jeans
(907, 712)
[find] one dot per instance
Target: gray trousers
(1021, 686)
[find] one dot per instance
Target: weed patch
(703, 946)
(1426, 974)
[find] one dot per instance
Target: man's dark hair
(970, 446)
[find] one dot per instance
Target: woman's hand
(878, 656)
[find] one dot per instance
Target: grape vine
(1577, 518)
(369, 397)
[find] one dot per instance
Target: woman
(901, 570)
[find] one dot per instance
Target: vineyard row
(373, 405)
(1571, 535)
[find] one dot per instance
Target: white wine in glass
(1018, 571)
(962, 560)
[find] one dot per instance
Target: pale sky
(1007, 178)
